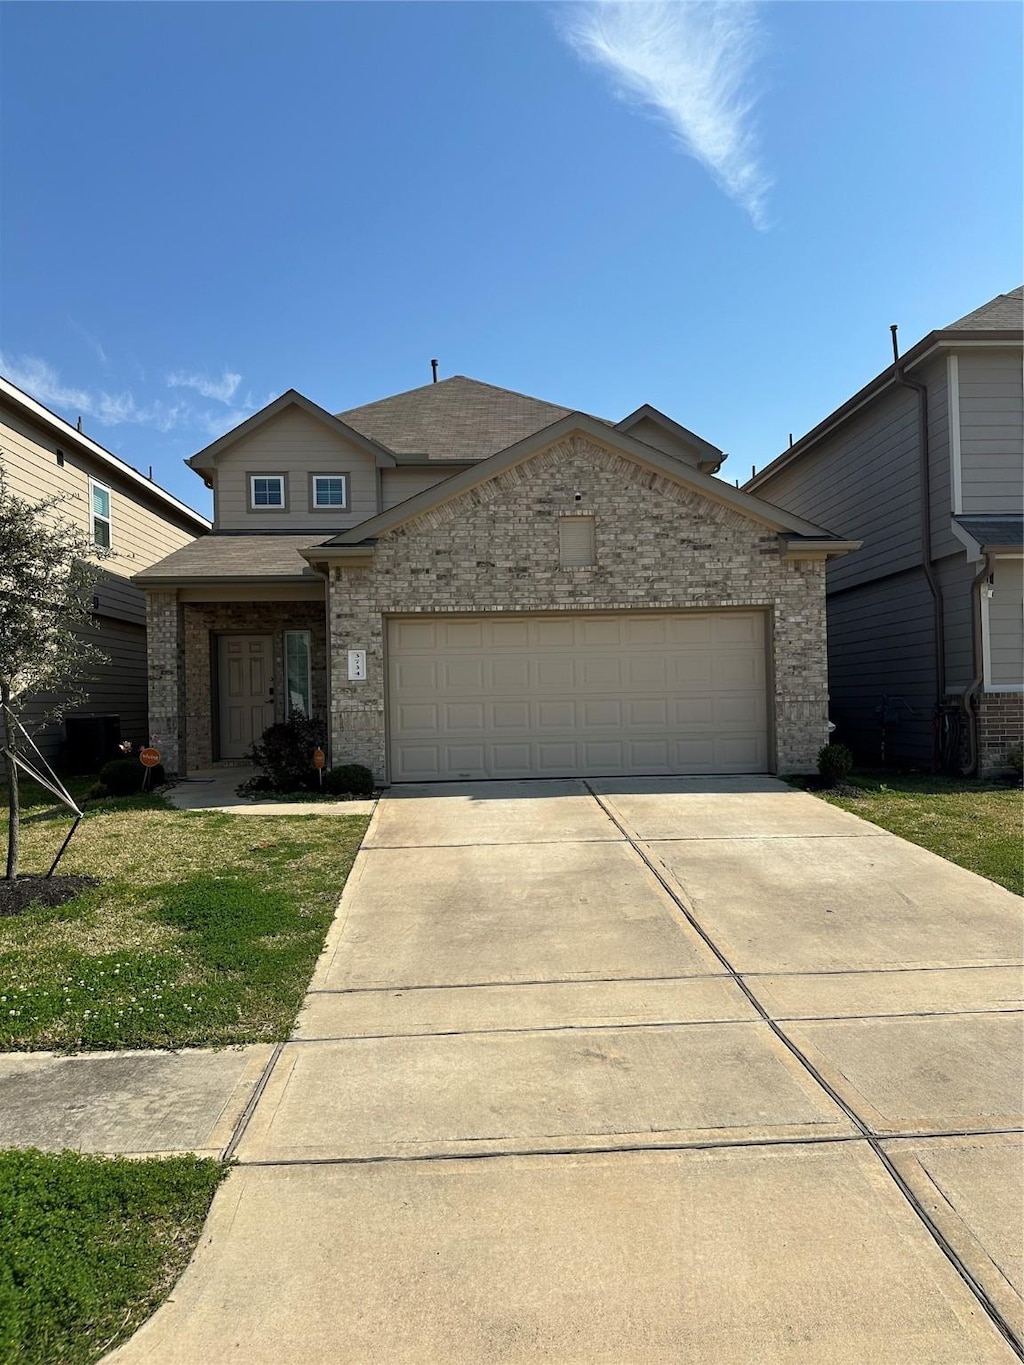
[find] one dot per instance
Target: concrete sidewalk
(631, 1072)
(216, 789)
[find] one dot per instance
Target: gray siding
(880, 644)
(294, 444)
(955, 577)
(1006, 625)
(992, 430)
(115, 687)
(936, 376)
(862, 483)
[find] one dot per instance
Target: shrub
(124, 776)
(285, 754)
(835, 763)
(1015, 758)
(349, 779)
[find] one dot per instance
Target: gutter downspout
(925, 490)
(986, 570)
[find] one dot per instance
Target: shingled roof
(1004, 313)
(455, 419)
(241, 556)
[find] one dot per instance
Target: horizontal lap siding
(116, 687)
(880, 644)
(398, 484)
(862, 483)
(294, 444)
(1006, 625)
(955, 576)
(992, 430)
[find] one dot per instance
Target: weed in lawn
(203, 931)
(89, 1246)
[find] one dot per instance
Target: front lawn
(203, 930)
(975, 824)
(89, 1246)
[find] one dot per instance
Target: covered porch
(231, 655)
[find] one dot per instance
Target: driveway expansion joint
(254, 1099)
(674, 891)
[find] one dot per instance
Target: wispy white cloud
(93, 342)
(223, 389)
(216, 422)
(689, 62)
(42, 381)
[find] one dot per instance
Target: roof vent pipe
(894, 327)
(433, 366)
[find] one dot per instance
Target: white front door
(246, 684)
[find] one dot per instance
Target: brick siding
(659, 546)
(1000, 729)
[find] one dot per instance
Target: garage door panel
(579, 694)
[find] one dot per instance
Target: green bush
(835, 763)
(284, 754)
(1015, 758)
(124, 777)
(349, 779)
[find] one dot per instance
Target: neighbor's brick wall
(659, 545)
(1000, 729)
(204, 620)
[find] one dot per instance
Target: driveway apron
(630, 1071)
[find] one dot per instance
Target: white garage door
(577, 695)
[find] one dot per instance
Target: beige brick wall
(659, 546)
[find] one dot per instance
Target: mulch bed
(33, 889)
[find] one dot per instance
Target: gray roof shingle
(1004, 313)
(240, 556)
(455, 419)
(994, 529)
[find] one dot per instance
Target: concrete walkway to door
(632, 1072)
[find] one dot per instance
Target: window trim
(309, 672)
(94, 515)
(251, 476)
(314, 506)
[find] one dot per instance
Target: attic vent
(576, 542)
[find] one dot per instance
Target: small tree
(46, 584)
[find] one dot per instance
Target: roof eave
(807, 547)
(68, 435)
(942, 339)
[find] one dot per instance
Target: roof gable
(707, 457)
(1005, 311)
(577, 423)
(454, 419)
(206, 458)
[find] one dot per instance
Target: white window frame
(255, 506)
(95, 516)
(309, 673)
(319, 506)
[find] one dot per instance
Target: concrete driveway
(630, 1072)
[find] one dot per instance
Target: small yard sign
(318, 758)
(149, 757)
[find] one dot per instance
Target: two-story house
(465, 582)
(925, 466)
(122, 512)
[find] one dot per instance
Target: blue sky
(714, 209)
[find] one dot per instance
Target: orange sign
(149, 758)
(318, 758)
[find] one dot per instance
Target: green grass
(203, 931)
(89, 1246)
(976, 824)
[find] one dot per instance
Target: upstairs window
(99, 502)
(330, 491)
(266, 492)
(576, 542)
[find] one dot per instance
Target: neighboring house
(464, 582)
(42, 456)
(925, 465)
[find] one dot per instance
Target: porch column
(357, 707)
(165, 648)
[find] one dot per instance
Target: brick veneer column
(165, 648)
